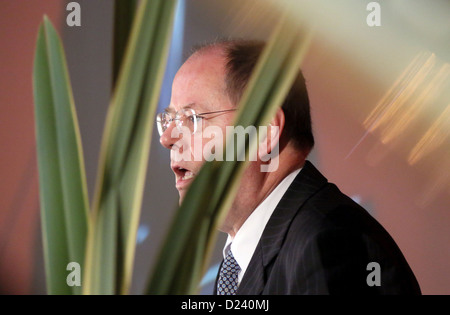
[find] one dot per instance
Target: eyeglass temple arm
(219, 111)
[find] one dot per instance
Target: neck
(255, 186)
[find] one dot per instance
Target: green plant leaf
(62, 181)
(125, 150)
(124, 12)
(185, 253)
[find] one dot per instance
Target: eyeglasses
(187, 118)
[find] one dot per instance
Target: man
(289, 230)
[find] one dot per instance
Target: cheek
(207, 142)
(196, 148)
(215, 134)
(209, 139)
(189, 149)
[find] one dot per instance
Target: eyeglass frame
(161, 129)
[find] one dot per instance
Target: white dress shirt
(247, 237)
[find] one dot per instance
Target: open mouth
(182, 173)
(187, 174)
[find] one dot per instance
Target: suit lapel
(306, 184)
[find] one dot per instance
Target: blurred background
(380, 100)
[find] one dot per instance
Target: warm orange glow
(394, 112)
(436, 135)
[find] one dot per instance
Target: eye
(167, 119)
(194, 118)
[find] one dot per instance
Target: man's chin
(181, 194)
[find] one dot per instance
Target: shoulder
(330, 209)
(335, 237)
(333, 224)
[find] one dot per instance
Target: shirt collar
(247, 237)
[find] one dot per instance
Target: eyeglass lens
(183, 118)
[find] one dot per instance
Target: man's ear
(272, 138)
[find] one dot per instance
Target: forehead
(200, 83)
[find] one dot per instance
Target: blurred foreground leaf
(125, 150)
(62, 182)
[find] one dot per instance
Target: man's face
(198, 85)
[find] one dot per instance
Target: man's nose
(166, 139)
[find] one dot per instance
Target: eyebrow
(190, 105)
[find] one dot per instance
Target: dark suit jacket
(319, 241)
